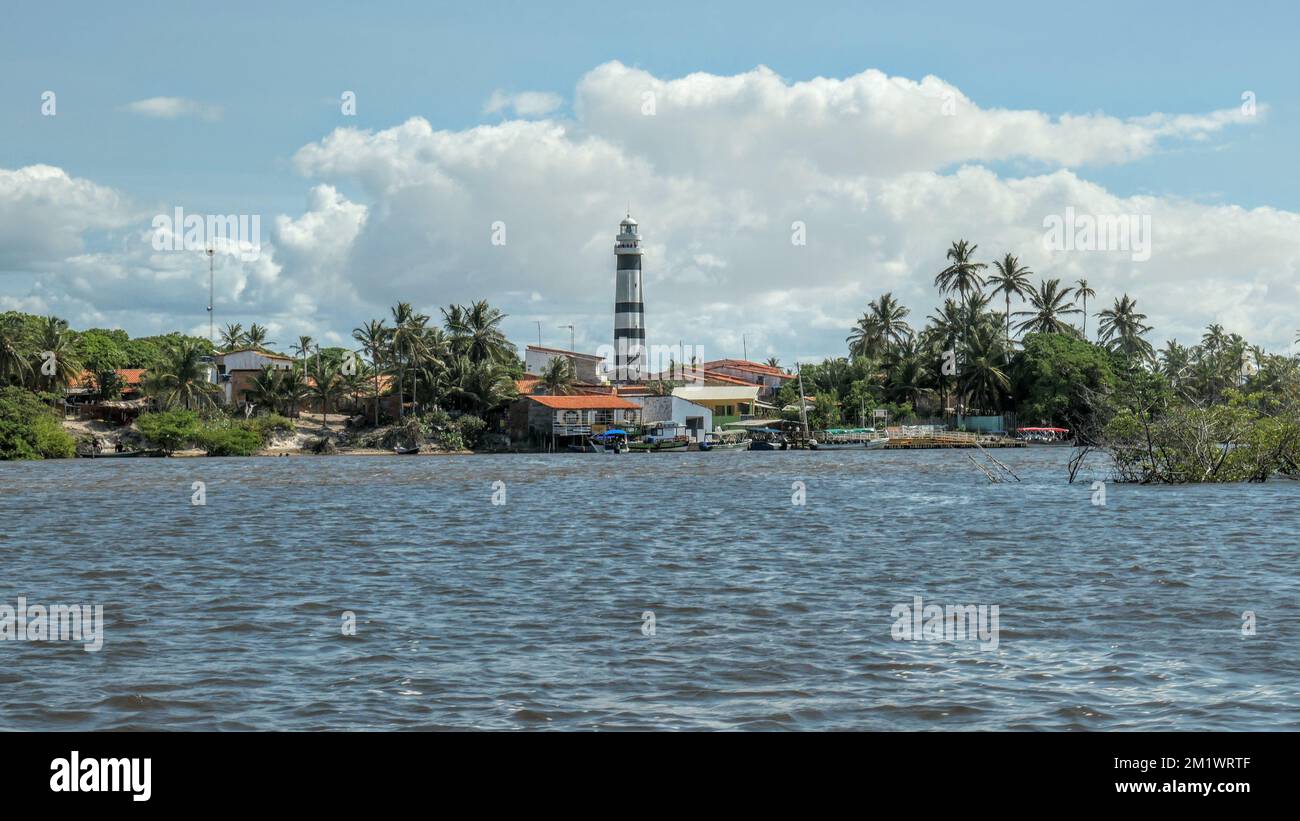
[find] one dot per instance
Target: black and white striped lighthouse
(629, 307)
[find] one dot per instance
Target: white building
(697, 419)
(586, 367)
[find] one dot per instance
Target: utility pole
(744, 346)
(212, 337)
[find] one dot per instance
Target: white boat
(878, 444)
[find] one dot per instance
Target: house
(697, 419)
(571, 417)
(236, 370)
(586, 367)
(726, 403)
(767, 378)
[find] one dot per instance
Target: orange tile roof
(585, 402)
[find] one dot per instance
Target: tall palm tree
(256, 337)
(962, 275)
(181, 376)
(480, 386)
(1215, 339)
(232, 336)
(475, 332)
(15, 349)
(983, 380)
(1050, 302)
(373, 337)
(773, 362)
(1082, 291)
(52, 337)
(303, 348)
(867, 338)
(405, 344)
(558, 376)
(1010, 277)
(324, 387)
(1122, 328)
(891, 320)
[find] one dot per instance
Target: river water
(537, 611)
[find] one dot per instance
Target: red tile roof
(584, 402)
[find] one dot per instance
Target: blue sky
(276, 72)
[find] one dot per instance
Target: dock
(934, 440)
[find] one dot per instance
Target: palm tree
(324, 387)
(302, 349)
(181, 376)
(773, 362)
(475, 333)
(891, 320)
(1214, 339)
(1011, 278)
(373, 337)
(232, 336)
(404, 343)
(558, 376)
(984, 382)
(293, 389)
(866, 338)
(52, 337)
(1082, 291)
(480, 386)
(961, 275)
(1122, 327)
(15, 349)
(265, 390)
(1049, 302)
(256, 337)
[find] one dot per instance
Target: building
(697, 419)
(565, 419)
(629, 306)
(727, 403)
(236, 370)
(768, 378)
(586, 367)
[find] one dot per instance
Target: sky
(786, 164)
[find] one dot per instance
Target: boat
(727, 440)
(611, 441)
(662, 437)
(768, 439)
(843, 438)
(878, 444)
(120, 454)
(1044, 436)
(407, 451)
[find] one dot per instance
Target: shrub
(170, 430)
(471, 429)
(235, 440)
(269, 425)
(29, 429)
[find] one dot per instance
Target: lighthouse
(629, 305)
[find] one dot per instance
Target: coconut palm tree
(53, 344)
(181, 376)
(558, 376)
(264, 390)
(15, 349)
(891, 320)
(1010, 277)
(983, 380)
(293, 390)
(303, 348)
(256, 337)
(1082, 291)
(480, 386)
(867, 338)
(373, 337)
(1214, 340)
(324, 387)
(1122, 327)
(962, 275)
(773, 362)
(232, 336)
(475, 332)
(1050, 302)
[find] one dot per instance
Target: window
(629, 416)
(570, 417)
(604, 417)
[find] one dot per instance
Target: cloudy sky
(884, 133)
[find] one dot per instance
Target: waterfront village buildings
(602, 398)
